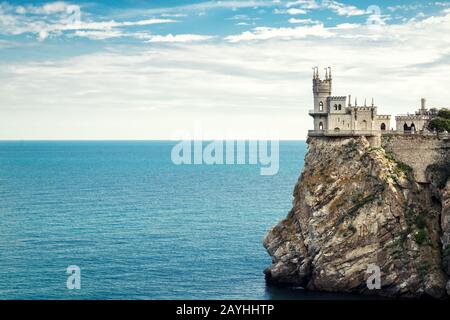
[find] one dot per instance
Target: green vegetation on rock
(441, 122)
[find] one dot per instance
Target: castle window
(320, 106)
(406, 128)
(335, 107)
(383, 127)
(340, 107)
(413, 128)
(320, 126)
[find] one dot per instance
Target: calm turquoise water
(138, 226)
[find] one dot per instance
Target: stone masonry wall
(417, 151)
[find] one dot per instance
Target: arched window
(383, 127)
(320, 106)
(320, 126)
(337, 129)
(405, 127)
(413, 127)
(335, 107)
(340, 107)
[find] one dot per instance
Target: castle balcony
(313, 113)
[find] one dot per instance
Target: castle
(336, 116)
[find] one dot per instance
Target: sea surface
(137, 225)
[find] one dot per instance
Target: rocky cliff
(354, 206)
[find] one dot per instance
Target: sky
(210, 69)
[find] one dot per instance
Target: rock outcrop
(355, 206)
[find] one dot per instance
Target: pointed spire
(349, 100)
(329, 72)
(372, 102)
(356, 102)
(326, 74)
(365, 105)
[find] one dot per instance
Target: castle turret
(321, 90)
(423, 108)
(322, 93)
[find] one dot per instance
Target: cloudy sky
(157, 69)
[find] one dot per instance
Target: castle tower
(423, 107)
(321, 93)
(321, 90)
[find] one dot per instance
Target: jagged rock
(355, 206)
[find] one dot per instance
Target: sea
(136, 225)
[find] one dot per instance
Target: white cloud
(42, 35)
(54, 18)
(303, 21)
(48, 8)
(265, 33)
(338, 7)
(178, 38)
(342, 9)
(202, 7)
(305, 4)
(243, 17)
(347, 26)
(291, 11)
(405, 7)
(99, 34)
(295, 11)
(107, 25)
(173, 15)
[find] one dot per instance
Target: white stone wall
(416, 151)
(335, 102)
(364, 120)
(341, 121)
(419, 122)
(378, 122)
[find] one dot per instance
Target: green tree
(444, 113)
(441, 122)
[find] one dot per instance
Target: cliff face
(354, 206)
